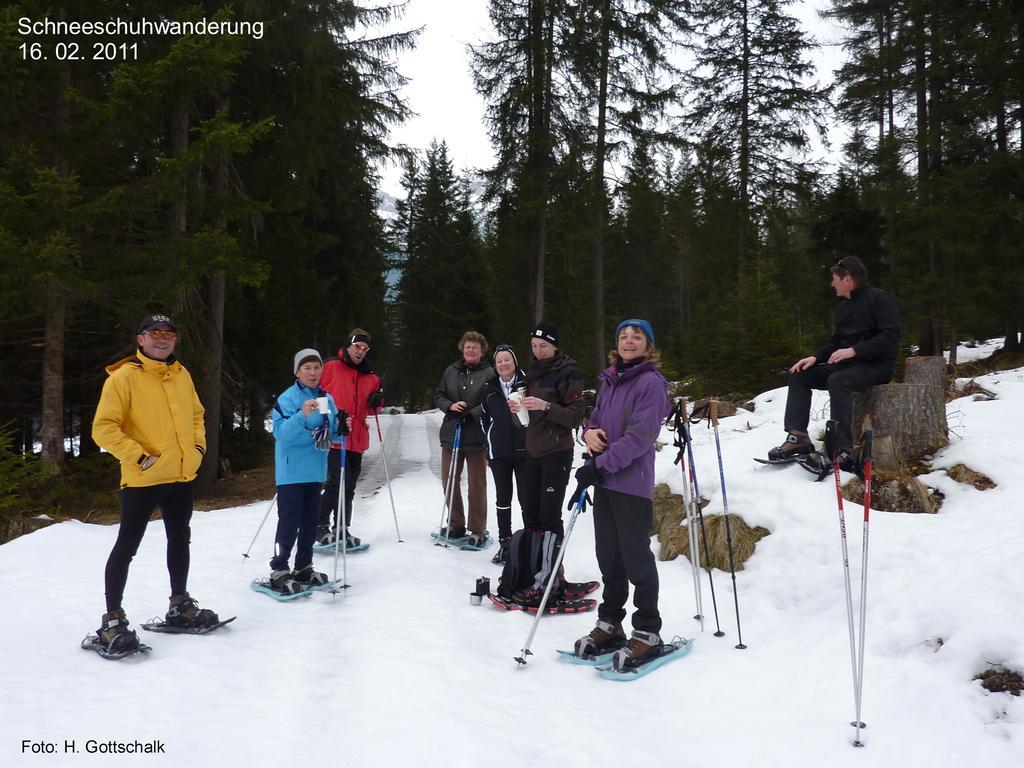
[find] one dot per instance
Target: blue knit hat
(642, 325)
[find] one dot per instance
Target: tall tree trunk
(52, 429)
(599, 190)
(213, 370)
(744, 158)
(539, 143)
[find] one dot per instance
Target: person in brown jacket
(554, 389)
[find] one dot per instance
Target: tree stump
(909, 419)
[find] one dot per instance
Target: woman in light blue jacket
(303, 433)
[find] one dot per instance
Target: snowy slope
(404, 671)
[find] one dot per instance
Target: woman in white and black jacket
(506, 441)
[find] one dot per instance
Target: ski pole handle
(714, 414)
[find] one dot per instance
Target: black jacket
(460, 382)
(506, 436)
(868, 321)
(558, 382)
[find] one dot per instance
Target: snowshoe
(573, 589)
(795, 445)
(605, 638)
(817, 464)
(284, 582)
(266, 587)
(553, 606)
(184, 612)
(457, 537)
(113, 640)
(667, 652)
(159, 625)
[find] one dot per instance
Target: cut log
(909, 419)
(926, 371)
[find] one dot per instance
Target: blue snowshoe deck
(460, 542)
(159, 625)
(572, 658)
(263, 585)
(93, 643)
(669, 652)
(328, 549)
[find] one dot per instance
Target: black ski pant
(543, 490)
(622, 534)
(503, 470)
(137, 505)
(841, 381)
(298, 511)
(329, 500)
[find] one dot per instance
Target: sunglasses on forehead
(161, 334)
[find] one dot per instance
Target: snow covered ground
(404, 671)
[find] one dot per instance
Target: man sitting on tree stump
(862, 352)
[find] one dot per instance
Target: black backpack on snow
(531, 556)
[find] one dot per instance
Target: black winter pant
(543, 490)
(298, 510)
(329, 500)
(503, 470)
(622, 530)
(137, 505)
(841, 381)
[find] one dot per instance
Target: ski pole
(449, 495)
(581, 504)
(339, 515)
(728, 530)
(678, 415)
(387, 475)
(245, 554)
(695, 494)
(868, 440)
(830, 430)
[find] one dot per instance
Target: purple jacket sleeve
(650, 407)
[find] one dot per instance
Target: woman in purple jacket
(631, 405)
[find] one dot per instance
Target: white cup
(321, 403)
(522, 413)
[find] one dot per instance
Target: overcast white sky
(441, 93)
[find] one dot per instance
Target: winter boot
(309, 577)
(184, 611)
(284, 582)
(352, 541)
(324, 535)
(642, 647)
(477, 539)
(796, 445)
(450, 532)
(115, 635)
(604, 637)
(501, 556)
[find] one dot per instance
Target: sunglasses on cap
(161, 334)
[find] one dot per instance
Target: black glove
(589, 474)
(375, 400)
(343, 422)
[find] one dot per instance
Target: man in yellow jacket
(149, 417)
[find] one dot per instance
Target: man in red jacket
(350, 380)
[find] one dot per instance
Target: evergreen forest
(654, 158)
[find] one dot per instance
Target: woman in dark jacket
(506, 440)
(631, 405)
(458, 396)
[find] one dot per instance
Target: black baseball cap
(149, 322)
